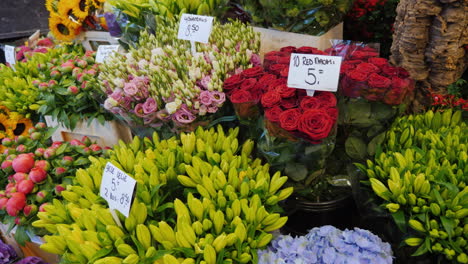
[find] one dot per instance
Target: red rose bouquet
(300, 129)
(364, 74)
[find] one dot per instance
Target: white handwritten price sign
(314, 72)
(10, 54)
(195, 28)
(105, 51)
(117, 188)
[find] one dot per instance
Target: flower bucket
(304, 215)
(108, 134)
(32, 249)
(8, 238)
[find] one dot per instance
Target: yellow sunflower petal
(81, 10)
(51, 5)
(61, 29)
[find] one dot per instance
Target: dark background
(20, 18)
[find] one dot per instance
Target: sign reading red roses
(314, 72)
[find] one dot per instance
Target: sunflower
(5, 126)
(77, 9)
(61, 29)
(96, 3)
(22, 127)
(51, 6)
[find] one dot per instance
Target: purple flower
(255, 60)
(7, 253)
(131, 88)
(205, 98)
(139, 110)
(31, 260)
(184, 116)
(150, 106)
(218, 98)
(212, 109)
(111, 21)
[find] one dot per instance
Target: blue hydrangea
(328, 245)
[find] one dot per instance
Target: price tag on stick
(117, 189)
(314, 72)
(195, 28)
(105, 51)
(10, 54)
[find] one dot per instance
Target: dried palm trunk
(428, 41)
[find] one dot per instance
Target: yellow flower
(51, 6)
(6, 126)
(22, 127)
(76, 9)
(61, 29)
(96, 3)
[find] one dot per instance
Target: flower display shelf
(108, 134)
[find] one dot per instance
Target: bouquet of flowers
(68, 86)
(300, 128)
(34, 171)
(25, 51)
(327, 245)
(7, 253)
(162, 83)
(67, 17)
(364, 74)
(371, 21)
(314, 17)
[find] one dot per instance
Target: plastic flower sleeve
(314, 17)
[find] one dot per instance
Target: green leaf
(101, 253)
(449, 225)
(296, 171)
(21, 236)
(400, 220)
(381, 111)
(356, 148)
(421, 250)
(61, 149)
(81, 161)
(376, 141)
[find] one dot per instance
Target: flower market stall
(235, 132)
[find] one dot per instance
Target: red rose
(241, 96)
(285, 91)
(263, 83)
(367, 67)
(309, 102)
(288, 49)
(389, 70)
(270, 99)
(274, 53)
(253, 72)
(400, 84)
(326, 99)
(399, 89)
(277, 68)
(288, 103)
(357, 76)
(363, 55)
(379, 62)
(316, 124)
(284, 60)
(378, 81)
(284, 72)
(273, 113)
(367, 49)
(402, 73)
(319, 52)
(276, 83)
(306, 50)
(353, 61)
(248, 84)
(232, 82)
(346, 67)
(289, 119)
(333, 113)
